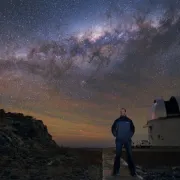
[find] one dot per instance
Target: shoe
(115, 174)
(134, 174)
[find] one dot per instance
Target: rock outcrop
(28, 152)
(19, 130)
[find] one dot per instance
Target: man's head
(123, 112)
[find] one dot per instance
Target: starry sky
(74, 63)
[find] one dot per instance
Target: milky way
(88, 55)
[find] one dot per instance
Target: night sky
(74, 63)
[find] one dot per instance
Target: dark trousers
(131, 165)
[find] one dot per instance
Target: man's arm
(113, 128)
(132, 127)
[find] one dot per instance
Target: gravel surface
(159, 173)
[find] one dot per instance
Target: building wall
(164, 132)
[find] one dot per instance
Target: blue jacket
(123, 129)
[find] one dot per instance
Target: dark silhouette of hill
(28, 151)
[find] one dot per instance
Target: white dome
(162, 108)
(158, 109)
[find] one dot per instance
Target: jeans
(131, 165)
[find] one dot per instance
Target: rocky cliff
(28, 152)
(17, 130)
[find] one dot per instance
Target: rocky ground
(28, 153)
(150, 168)
(162, 165)
(161, 173)
(158, 164)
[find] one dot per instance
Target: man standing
(123, 129)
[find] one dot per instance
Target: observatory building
(164, 124)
